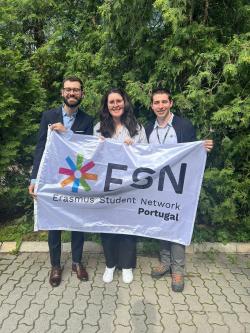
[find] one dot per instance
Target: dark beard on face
(72, 105)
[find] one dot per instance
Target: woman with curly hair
(118, 122)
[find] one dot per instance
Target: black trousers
(54, 241)
(119, 250)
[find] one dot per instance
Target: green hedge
(200, 53)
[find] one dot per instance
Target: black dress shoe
(80, 271)
(55, 276)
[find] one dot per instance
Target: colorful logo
(78, 173)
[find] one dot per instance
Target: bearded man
(66, 117)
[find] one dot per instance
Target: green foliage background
(199, 49)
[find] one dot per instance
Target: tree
(198, 49)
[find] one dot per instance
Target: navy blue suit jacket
(83, 124)
(184, 129)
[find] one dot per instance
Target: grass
(22, 229)
(232, 258)
(150, 246)
(15, 230)
(210, 255)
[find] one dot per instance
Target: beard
(74, 104)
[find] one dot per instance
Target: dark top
(184, 129)
(83, 124)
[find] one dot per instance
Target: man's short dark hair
(161, 90)
(72, 79)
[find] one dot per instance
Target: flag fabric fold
(92, 185)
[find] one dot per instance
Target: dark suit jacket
(184, 129)
(83, 124)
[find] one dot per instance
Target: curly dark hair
(161, 90)
(107, 126)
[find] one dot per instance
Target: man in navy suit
(66, 117)
(168, 128)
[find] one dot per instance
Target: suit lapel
(77, 123)
(59, 116)
(177, 129)
(149, 130)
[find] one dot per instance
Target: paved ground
(216, 297)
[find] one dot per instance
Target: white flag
(85, 184)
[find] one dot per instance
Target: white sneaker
(127, 275)
(108, 274)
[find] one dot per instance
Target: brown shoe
(80, 271)
(177, 282)
(55, 276)
(160, 270)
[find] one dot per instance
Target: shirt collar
(169, 123)
(65, 114)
